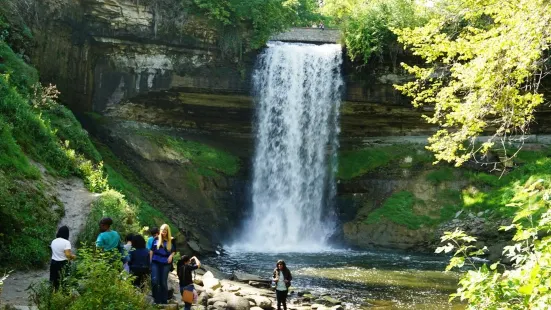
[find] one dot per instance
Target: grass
(492, 192)
(27, 222)
(69, 129)
(356, 163)
(398, 208)
(440, 175)
(124, 180)
(207, 160)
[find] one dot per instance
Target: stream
(378, 279)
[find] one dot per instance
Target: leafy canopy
(258, 18)
(484, 63)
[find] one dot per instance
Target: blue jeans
(159, 282)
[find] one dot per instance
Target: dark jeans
(159, 282)
(141, 275)
(57, 270)
(281, 297)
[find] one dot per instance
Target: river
(378, 279)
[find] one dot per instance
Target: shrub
(111, 204)
(95, 281)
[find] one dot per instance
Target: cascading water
(298, 89)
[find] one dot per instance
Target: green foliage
(32, 134)
(256, 20)
(21, 75)
(69, 129)
(111, 204)
(398, 208)
(484, 63)
(12, 159)
(27, 222)
(207, 160)
(359, 162)
(441, 175)
(93, 176)
(526, 284)
(95, 281)
(368, 28)
(138, 194)
(493, 192)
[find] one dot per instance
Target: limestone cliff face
(151, 64)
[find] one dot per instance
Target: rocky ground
(244, 293)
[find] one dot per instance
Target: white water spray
(298, 89)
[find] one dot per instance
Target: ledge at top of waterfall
(298, 90)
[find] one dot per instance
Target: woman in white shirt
(61, 254)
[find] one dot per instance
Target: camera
(192, 261)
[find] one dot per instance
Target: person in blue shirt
(161, 255)
(154, 232)
(139, 261)
(107, 239)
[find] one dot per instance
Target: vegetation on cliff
(37, 131)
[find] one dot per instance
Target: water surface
(363, 279)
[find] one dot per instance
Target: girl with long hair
(161, 255)
(282, 278)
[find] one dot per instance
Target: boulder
(214, 300)
(316, 306)
(331, 301)
(259, 284)
(198, 307)
(256, 308)
(262, 302)
(203, 299)
(237, 303)
(246, 277)
(211, 283)
(220, 305)
(338, 307)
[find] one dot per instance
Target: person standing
(154, 232)
(107, 239)
(138, 262)
(161, 255)
(185, 266)
(61, 254)
(282, 278)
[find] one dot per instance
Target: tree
(485, 62)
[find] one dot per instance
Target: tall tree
(485, 63)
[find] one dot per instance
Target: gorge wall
(147, 77)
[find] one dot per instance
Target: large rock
(262, 302)
(203, 299)
(237, 303)
(246, 277)
(220, 305)
(210, 282)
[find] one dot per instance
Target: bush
(111, 204)
(95, 281)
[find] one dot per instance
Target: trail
(76, 200)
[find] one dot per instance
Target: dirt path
(76, 200)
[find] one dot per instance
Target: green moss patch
(356, 163)
(398, 208)
(207, 160)
(440, 175)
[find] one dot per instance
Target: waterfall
(297, 90)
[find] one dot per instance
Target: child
(154, 232)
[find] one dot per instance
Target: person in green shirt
(107, 239)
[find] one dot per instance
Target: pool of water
(363, 279)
